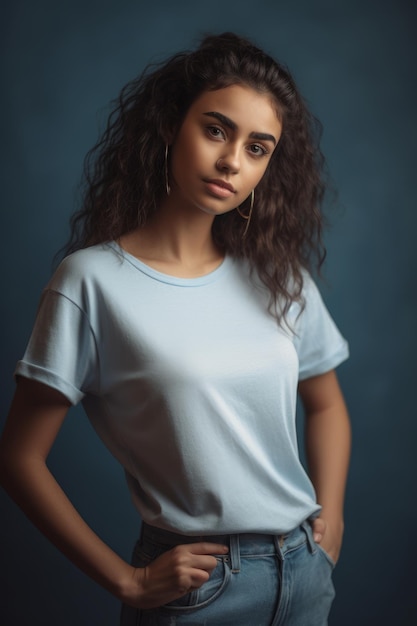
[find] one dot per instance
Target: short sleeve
(319, 344)
(61, 352)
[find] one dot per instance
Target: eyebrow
(233, 126)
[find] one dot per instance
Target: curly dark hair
(124, 184)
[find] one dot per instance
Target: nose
(230, 161)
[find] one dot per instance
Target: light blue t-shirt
(191, 384)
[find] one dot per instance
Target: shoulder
(87, 263)
(310, 294)
(302, 301)
(310, 291)
(85, 270)
(309, 308)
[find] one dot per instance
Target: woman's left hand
(328, 536)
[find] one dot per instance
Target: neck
(176, 240)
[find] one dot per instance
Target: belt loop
(234, 554)
(306, 526)
(279, 541)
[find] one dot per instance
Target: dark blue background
(355, 63)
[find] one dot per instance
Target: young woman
(185, 319)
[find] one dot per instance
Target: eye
(215, 132)
(257, 149)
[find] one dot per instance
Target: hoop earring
(167, 186)
(249, 215)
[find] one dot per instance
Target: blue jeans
(264, 580)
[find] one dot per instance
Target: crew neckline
(168, 278)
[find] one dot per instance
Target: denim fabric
(264, 580)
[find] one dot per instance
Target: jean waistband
(242, 544)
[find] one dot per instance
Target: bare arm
(328, 440)
(35, 418)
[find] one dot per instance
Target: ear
(168, 135)
(168, 129)
(171, 124)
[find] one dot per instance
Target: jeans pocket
(316, 546)
(327, 556)
(206, 594)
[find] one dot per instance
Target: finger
(319, 528)
(198, 577)
(207, 563)
(195, 574)
(205, 547)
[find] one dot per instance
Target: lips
(220, 188)
(222, 183)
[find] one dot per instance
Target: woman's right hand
(36, 416)
(173, 574)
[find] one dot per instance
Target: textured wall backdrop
(355, 63)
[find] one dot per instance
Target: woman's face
(222, 148)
